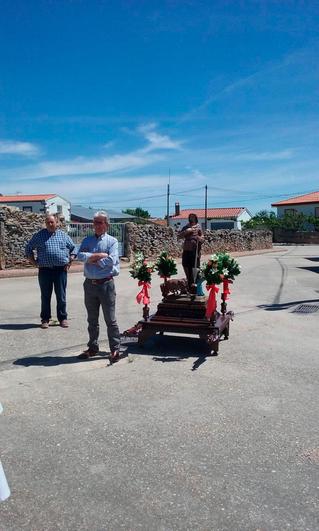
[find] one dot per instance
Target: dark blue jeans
(48, 278)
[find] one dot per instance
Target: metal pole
(206, 207)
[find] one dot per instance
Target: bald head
(51, 222)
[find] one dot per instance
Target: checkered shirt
(53, 248)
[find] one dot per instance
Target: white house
(307, 204)
(217, 218)
(39, 203)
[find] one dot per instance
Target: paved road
(166, 439)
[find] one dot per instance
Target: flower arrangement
(228, 265)
(221, 268)
(165, 265)
(141, 268)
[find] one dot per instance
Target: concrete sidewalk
(78, 267)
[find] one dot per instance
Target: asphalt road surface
(167, 438)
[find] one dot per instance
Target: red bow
(144, 295)
(226, 290)
(211, 303)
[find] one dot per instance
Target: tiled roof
(157, 221)
(212, 213)
(22, 198)
(313, 197)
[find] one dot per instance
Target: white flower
(225, 271)
(214, 257)
(139, 257)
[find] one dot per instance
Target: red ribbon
(226, 290)
(144, 295)
(211, 303)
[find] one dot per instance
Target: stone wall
(152, 239)
(16, 229)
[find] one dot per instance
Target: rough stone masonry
(17, 227)
(152, 239)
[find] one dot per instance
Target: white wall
(32, 206)
(308, 209)
(64, 210)
(42, 207)
(244, 216)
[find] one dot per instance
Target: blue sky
(100, 100)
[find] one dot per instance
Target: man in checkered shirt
(54, 250)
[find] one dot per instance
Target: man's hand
(33, 261)
(96, 257)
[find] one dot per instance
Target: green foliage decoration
(142, 269)
(166, 265)
(221, 266)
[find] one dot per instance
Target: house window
(59, 209)
(27, 209)
(290, 211)
(219, 225)
(317, 212)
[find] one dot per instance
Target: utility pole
(168, 187)
(206, 207)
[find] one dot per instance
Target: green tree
(268, 220)
(264, 219)
(137, 212)
(294, 221)
(314, 221)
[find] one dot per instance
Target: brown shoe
(64, 324)
(45, 325)
(87, 354)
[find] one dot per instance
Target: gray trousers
(96, 295)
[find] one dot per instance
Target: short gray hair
(102, 214)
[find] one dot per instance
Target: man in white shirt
(101, 263)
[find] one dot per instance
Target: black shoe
(87, 354)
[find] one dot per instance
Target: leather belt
(99, 281)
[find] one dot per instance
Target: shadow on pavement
(52, 361)
(313, 258)
(314, 269)
(168, 349)
(21, 326)
(284, 305)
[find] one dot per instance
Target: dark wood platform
(185, 314)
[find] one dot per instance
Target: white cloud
(83, 189)
(24, 149)
(128, 162)
(157, 140)
(286, 154)
(82, 166)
